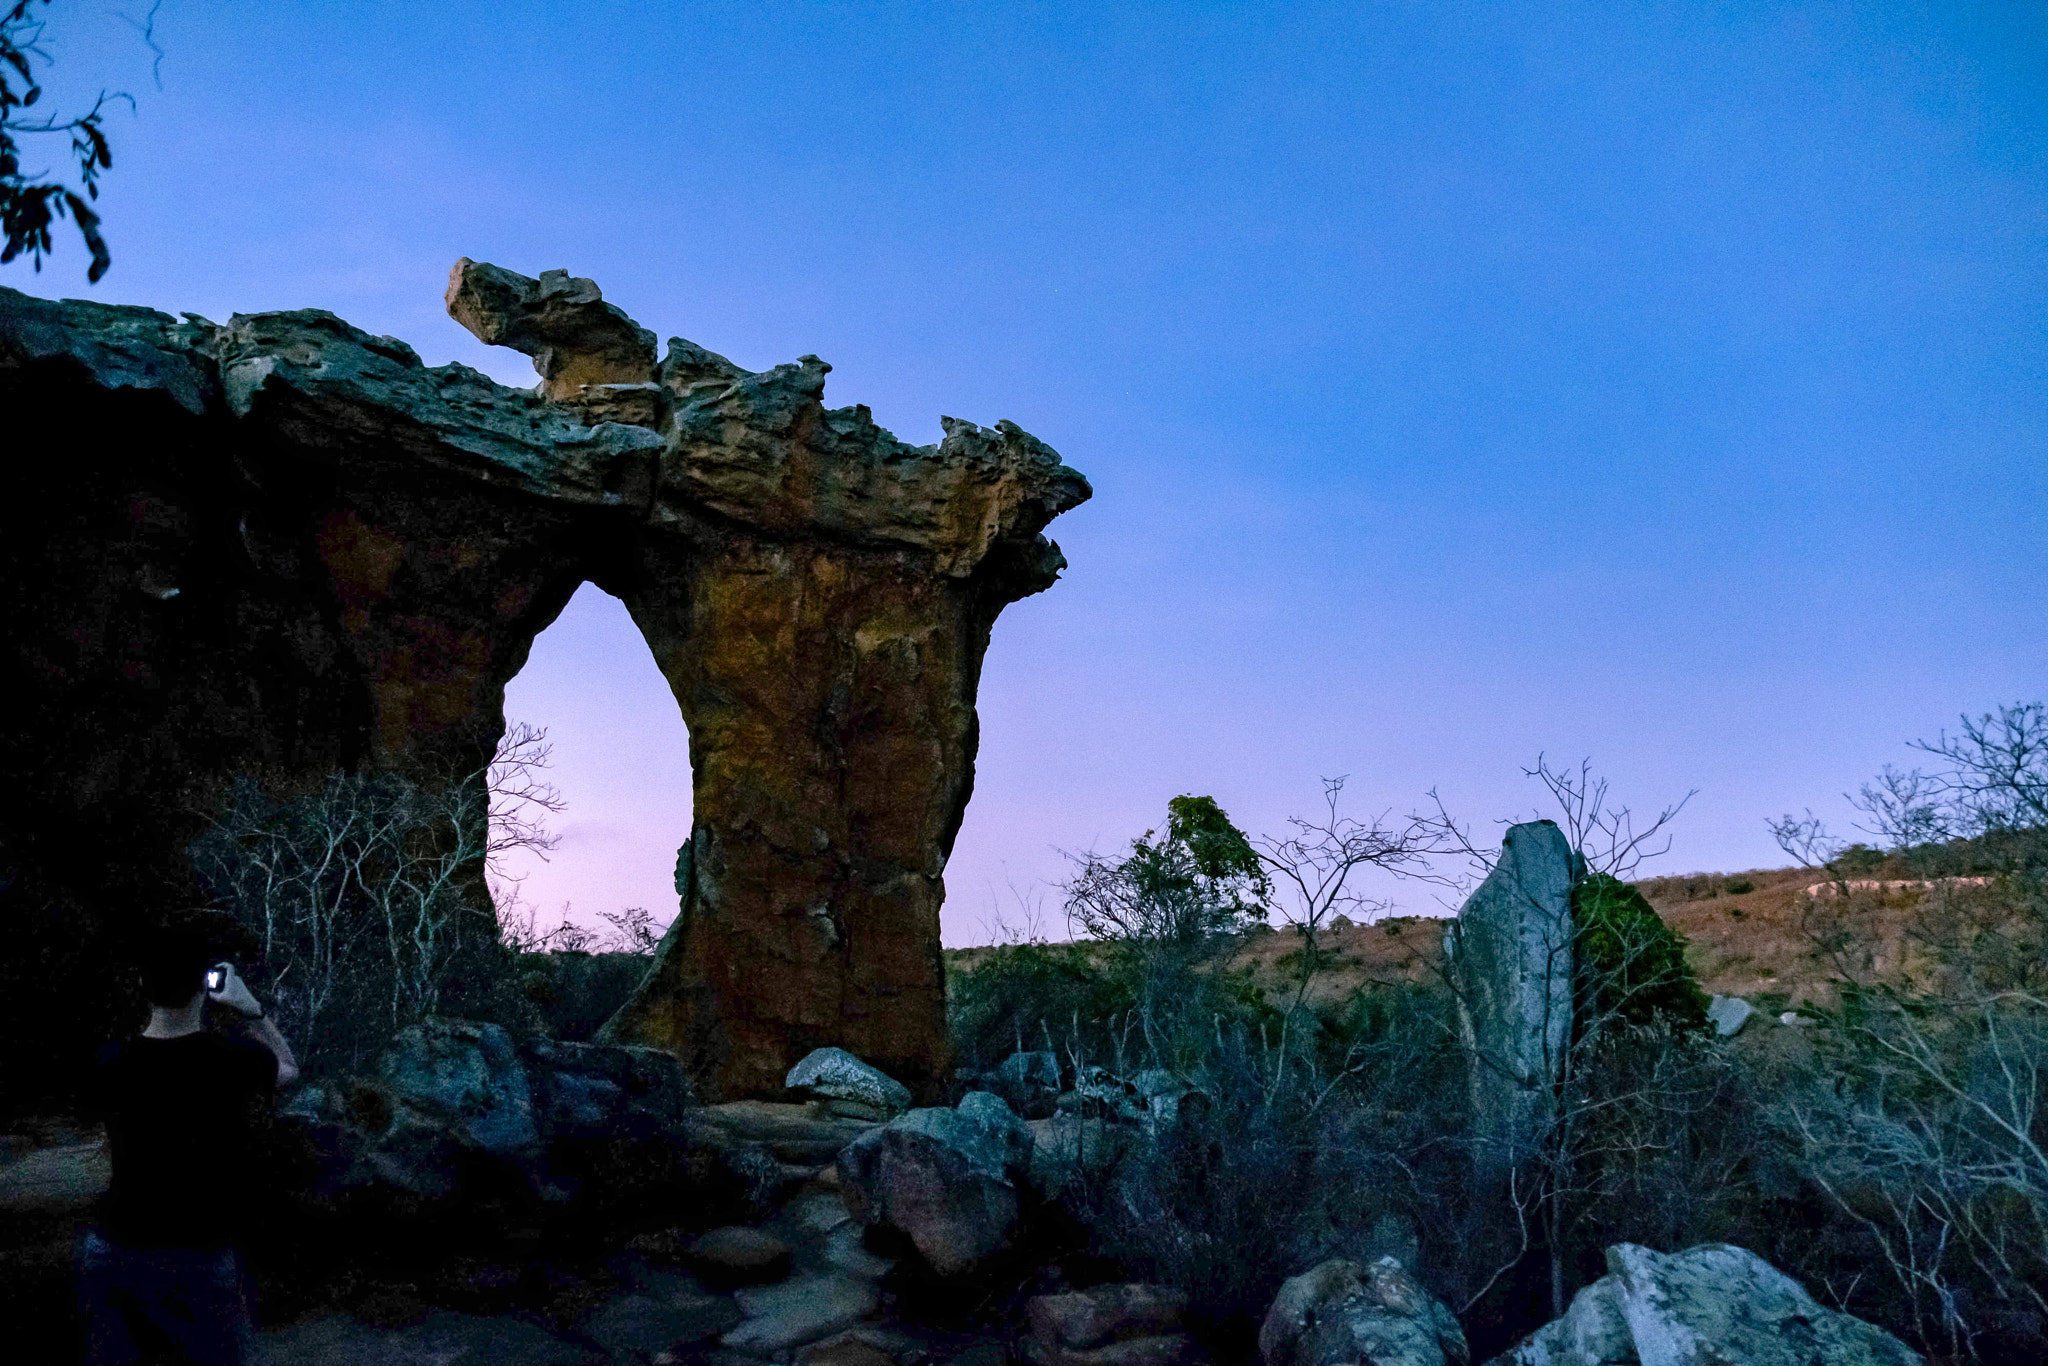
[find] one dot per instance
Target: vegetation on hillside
(1887, 1151)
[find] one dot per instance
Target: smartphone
(216, 979)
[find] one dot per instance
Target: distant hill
(1777, 937)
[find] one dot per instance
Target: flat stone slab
(738, 1256)
(845, 1350)
(444, 1339)
(1728, 1014)
(801, 1310)
(817, 1212)
(636, 1326)
(801, 1135)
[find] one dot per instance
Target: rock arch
(284, 546)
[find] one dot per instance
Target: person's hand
(234, 993)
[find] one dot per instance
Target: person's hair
(175, 957)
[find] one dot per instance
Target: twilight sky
(1666, 384)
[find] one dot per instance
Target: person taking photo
(184, 1107)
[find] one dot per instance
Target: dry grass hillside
(1766, 935)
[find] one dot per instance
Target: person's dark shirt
(182, 1118)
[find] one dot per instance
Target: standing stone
(1511, 961)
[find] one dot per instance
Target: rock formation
(1511, 961)
(284, 547)
(1342, 1314)
(1706, 1305)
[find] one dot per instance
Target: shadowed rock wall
(283, 547)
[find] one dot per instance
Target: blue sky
(1661, 383)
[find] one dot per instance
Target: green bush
(1736, 886)
(1631, 964)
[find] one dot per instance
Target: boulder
(1029, 1083)
(461, 1113)
(1592, 1332)
(1511, 954)
(599, 1091)
(1706, 1306)
(945, 1179)
(1069, 1148)
(1100, 1094)
(1728, 1014)
(1167, 1099)
(835, 1074)
(1109, 1325)
(736, 1256)
(1343, 1314)
(468, 1080)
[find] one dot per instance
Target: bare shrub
(366, 896)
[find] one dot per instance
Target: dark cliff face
(282, 547)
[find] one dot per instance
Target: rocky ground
(799, 1285)
(871, 1245)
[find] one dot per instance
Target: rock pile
(461, 1113)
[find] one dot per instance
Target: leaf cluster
(29, 205)
(1631, 964)
(1199, 880)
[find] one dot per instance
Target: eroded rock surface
(1340, 1313)
(283, 547)
(573, 335)
(1129, 1324)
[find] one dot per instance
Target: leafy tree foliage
(1201, 879)
(30, 205)
(1632, 964)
